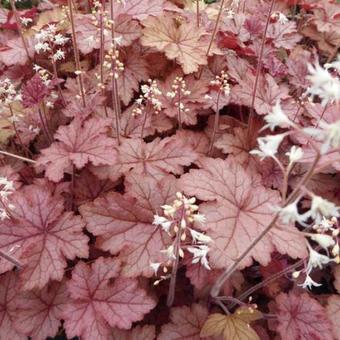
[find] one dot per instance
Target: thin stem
(172, 285)
(258, 69)
(10, 259)
(55, 74)
(214, 33)
(198, 13)
(16, 156)
(179, 113)
(114, 84)
(146, 111)
(76, 53)
(45, 130)
(215, 290)
(216, 123)
(17, 20)
(102, 53)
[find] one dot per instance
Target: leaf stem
(258, 70)
(10, 259)
(17, 20)
(213, 33)
(76, 53)
(16, 156)
(215, 290)
(216, 123)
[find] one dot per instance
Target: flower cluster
(324, 84)
(48, 40)
(222, 82)
(8, 92)
(326, 236)
(6, 189)
(178, 222)
(149, 95)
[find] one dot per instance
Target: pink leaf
(267, 94)
(34, 91)
(239, 210)
(138, 333)
(156, 159)
(39, 312)
(135, 71)
(284, 35)
(14, 52)
(302, 317)
(123, 223)
(178, 41)
(8, 293)
(333, 312)
(42, 236)
(78, 144)
(186, 323)
(97, 304)
(140, 9)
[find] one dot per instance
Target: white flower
(282, 19)
(331, 133)
(289, 214)
(25, 21)
(325, 241)
(163, 222)
(324, 84)
(59, 39)
(294, 154)
(309, 283)
(316, 260)
(335, 64)
(200, 255)
(42, 46)
(277, 118)
(169, 252)
(268, 145)
(59, 55)
(3, 214)
(155, 266)
(322, 208)
(199, 237)
(199, 218)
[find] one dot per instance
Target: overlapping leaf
(240, 208)
(97, 304)
(78, 143)
(42, 236)
(123, 223)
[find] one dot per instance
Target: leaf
(333, 312)
(78, 144)
(180, 41)
(8, 292)
(97, 304)
(42, 236)
(283, 35)
(135, 71)
(14, 52)
(192, 102)
(155, 159)
(39, 312)
(140, 9)
(302, 317)
(34, 91)
(267, 94)
(186, 323)
(235, 326)
(138, 333)
(240, 209)
(123, 223)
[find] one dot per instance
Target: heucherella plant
(169, 169)
(179, 222)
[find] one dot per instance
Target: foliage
(169, 169)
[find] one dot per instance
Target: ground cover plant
(169, 169)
